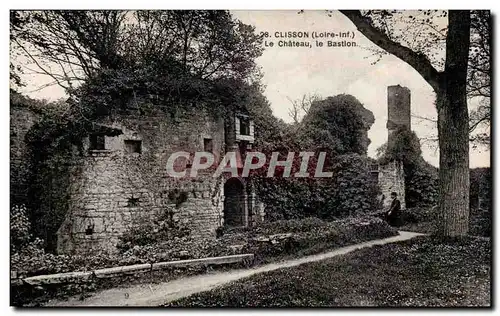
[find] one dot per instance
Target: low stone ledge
(110, 272)
(80, 277)
(205, 261)
(69, 277)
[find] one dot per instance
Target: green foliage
(421, 184)
(154, 229)
(480, 222)
(269, 130)
(480, 187)
(281, 239)
(421, 272)
(421, 179)
(425, 220)
(140, 88)
(354, 189)
(209, 44)
(350, 191)
(404, 146)
(20, 227)
(339, 124)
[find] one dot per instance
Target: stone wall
(391, 175)
(21, 120)
(391, 179)
(114, 189)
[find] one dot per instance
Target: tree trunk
(453, 129)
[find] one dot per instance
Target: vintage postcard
(272, 158)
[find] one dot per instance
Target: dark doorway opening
(234, 203)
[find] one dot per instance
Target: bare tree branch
(418, 61)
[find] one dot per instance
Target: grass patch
(420, 272)
(423, 220)
(306, 237)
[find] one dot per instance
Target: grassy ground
(311, 236)
(420, 272)
(423, 220)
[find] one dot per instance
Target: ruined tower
(391, 175)
(398, 108)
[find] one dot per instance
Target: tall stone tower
(398, 108)
(391, 176)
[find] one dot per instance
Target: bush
(354, 190)
(421, 184)
(351, 191)
(179, 248)
(20, 227)
(278, 239)
(480, 222)
(480, 188)
(424, 219)
(159, 227)
(421, 178)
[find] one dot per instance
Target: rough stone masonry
(391, 175)
(120, 181)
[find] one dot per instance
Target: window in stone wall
(132, 202)
(97, 142)
(208, 145)
(133, 146)
(89, 230)
(244, 125)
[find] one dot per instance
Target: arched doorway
(234, 203)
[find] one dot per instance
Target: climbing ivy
(421, 186)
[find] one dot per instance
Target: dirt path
(157, 294)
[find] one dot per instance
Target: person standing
(394, 210)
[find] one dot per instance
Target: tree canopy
(71, 46)
(339, 124)
(447, 73)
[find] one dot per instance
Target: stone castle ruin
(123, 179)
(391, 175)
(120, 178)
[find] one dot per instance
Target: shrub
(269, 241)
(350, 191)
(424, 219)
(480, 188)
(421, 184)
(421, 179)
(159, 227)
(354, 190)
(339, 124)
(20, 227)
(480, 222)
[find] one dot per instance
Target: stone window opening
(177, 197)
(89, 230)
(208, 145)
(133, 202)
(133, 146)
(244, 125)
(97, 142)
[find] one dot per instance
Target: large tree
(450, 86)
(71, 46)
(338, 124)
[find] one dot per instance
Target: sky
(291, 72)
